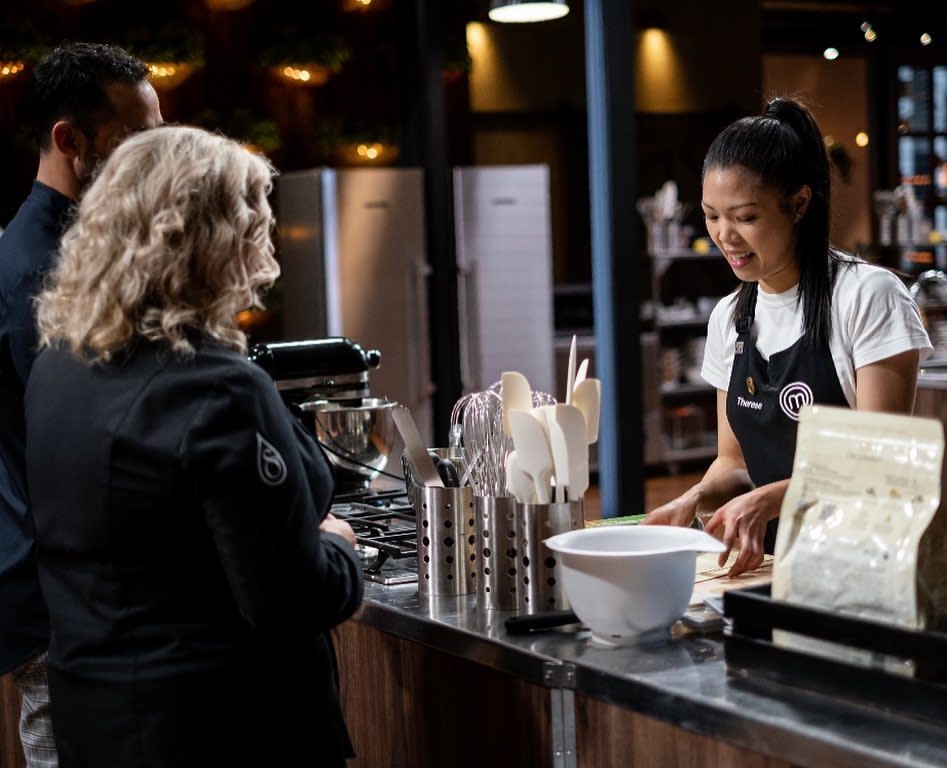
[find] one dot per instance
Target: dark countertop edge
(804, 739)
(749, 730)
(456, 641)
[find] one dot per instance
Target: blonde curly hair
(173, 236)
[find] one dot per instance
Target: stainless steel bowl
(357, 436)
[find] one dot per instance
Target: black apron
(764, 398)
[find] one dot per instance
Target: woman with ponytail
(809, 324)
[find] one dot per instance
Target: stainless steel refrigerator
(504, 259)
(354, 263)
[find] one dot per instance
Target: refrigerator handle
(469, 337)
(419, 389)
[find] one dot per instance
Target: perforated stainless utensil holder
(446, 539)
(539, 581)
(496, 552)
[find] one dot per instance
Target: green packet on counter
(627, 520)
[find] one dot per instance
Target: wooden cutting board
(712, 580)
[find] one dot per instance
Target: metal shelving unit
(687, 433)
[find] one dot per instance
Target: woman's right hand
(680, 511)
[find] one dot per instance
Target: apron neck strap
(745, 321)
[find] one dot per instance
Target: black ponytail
(784, 148)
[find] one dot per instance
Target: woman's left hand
(744, 519)
(332, 524)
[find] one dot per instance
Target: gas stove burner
(385, 529)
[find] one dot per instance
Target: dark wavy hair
(785, 150)
(69, 84)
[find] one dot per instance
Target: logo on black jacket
(269, 464)
(793, 396)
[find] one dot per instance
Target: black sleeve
(249, 470)
(22, 325)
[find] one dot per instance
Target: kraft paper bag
(860, 529)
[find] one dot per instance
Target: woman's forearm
(724, 479)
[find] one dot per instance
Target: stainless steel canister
(539, 580)
(446, 541)
(496, 552)
(413, 486)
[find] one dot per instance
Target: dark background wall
(233, 86)
(512, 93)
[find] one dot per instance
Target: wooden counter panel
(608, 735)
(410, 706)
(11, 755)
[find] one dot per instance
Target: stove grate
(384, 523)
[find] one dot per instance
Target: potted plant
(258, 134)
(300, 56)
(172, 51)
(345, 145)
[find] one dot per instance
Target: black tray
(749, 651)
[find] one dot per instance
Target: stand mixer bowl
(357, 435)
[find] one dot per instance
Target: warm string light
(366, 153)
(160, 71)
(365, 5)
(168, 74)
(227, 5)
(370, 151)
(870, 35)
(304, 74)
(11, 68)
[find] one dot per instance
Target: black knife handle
(523, 625)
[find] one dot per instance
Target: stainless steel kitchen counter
(682, 680)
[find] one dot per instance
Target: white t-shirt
(873, 318)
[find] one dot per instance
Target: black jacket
(177, 504)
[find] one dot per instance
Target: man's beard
(88, 170)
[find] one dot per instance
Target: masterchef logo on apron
(793, 396)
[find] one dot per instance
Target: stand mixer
(325, 382)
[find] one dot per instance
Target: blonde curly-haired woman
(184, 547)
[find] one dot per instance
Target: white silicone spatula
(587, 398)
(532, 448)
(518, 483)
(580, 374)
(558, 448)
(570, 373)
(569, 422)
(516, 395)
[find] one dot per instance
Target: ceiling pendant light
(518, 11)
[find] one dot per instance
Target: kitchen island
(438, 682)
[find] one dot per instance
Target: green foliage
(22, 40)
(335, 132)
(291, 43)
(244, 126)
(175, 42)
